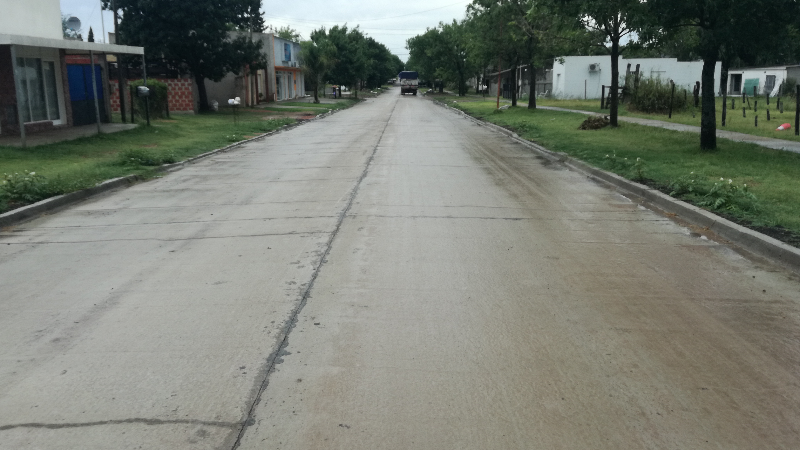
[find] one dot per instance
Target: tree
(317, 58)
(442, 53)
(726, 30)
(351, 62)
(610, 21)
(194, 39)
(288, 33)
(500, 39)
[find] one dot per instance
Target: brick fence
(180, 95)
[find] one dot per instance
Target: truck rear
(409, 82)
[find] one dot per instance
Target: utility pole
(499, 66)
(121, 72)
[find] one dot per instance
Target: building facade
(47, 81)
(584, 76)
(765, 80)
(282, 79)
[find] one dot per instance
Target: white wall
(37, 18)
(760, 73)
(573, 79)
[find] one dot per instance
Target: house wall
(760, 73)
(289, 80)
(9, 122)
(573, 79)
(37, 18)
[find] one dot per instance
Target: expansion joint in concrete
(273, 358)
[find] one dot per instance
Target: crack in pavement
(273, 358)
(389, 216)
(57, 426)
(293, 233)
(185, 222)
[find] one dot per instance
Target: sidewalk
(65, 134)
(777, 144)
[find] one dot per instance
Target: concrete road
(391, 277)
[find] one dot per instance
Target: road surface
(391, 277)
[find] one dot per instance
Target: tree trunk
(513, 86)
(201, 89)
(723, 86)
(532, 88)
(708, 117)
(614, 82)
(316, 92)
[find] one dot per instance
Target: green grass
(772, 175)
(734, 122)
(84, 162)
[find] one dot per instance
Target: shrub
(25, 187)
(633, 169)
(719, 195)
(141, 157)
(652, 95)
(157, 99)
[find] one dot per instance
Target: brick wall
(180, 95)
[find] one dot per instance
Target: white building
(584, 76)
(766, 80)
(46, 80)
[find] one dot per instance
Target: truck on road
(409, 82)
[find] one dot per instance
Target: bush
(652, 95)
(720, 195)
(633, 169)
(25, 187)
(157, 99)
(141, 157)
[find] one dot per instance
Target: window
(37, 80)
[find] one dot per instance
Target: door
(82, 95)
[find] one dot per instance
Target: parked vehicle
(409, 82)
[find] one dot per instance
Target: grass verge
(69, 166)
(691, 116)
(673, 163)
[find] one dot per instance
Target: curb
(718, 227)
(18, 215)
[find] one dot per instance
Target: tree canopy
(500, 36)
(194, 39)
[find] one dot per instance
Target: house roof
(65, 44)
(785, 66)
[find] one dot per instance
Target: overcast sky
(388, 22)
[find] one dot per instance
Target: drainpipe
(18, 87)
(94, 90)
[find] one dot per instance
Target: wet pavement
(392, 276)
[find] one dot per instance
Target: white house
(584, 76)
(46, 80)
(766, 80)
